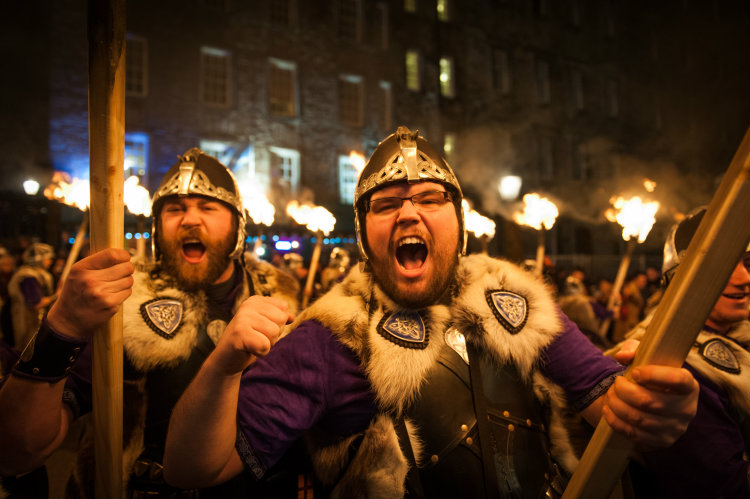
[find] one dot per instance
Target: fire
(476, 223)
(537, 212)
(259, 208)
(137, 199)
(316, 218)
(73, 193)
(649, 185)
(357, 160)
(635, 216)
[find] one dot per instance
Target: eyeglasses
(424, 201)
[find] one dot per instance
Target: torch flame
(476, 223)
(72, 193)
(259, 208)
(137, 199)
(649, 185)
(635, 216)
(537, 212)
(357, 161)
(316, 218)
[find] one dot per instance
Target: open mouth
(411, 252)
(193, 249)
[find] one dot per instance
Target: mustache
(191, 232)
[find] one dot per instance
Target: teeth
(410, 240)
(191, 240)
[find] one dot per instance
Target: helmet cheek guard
(198, 174)
(678, 241)
(404, 156)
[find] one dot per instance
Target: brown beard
(192, 277)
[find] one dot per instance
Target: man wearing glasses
(424, 373)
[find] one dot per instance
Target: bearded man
(422, 373)
(178, 310)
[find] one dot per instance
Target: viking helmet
(198, 174)
(36, 253)
(678, 241)
(404, 156)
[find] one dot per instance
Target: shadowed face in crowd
(413, 250)
(732, 305)
(196, 236)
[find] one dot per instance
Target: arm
(200, 448)
(33, 419)
(654, 409)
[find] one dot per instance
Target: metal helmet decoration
(198, 174)
(404, 156)
(678, 241)
(37, 252)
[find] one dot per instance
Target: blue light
(283, 245)
(275, 238)
(326, 240)
(263, 237)
(137, 235)
(128, 235)
(146, 235)
(71, 240)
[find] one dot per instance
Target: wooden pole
(140, 243)
(313, 268)
(612, 303)
(540, 253)
(714, 251)
(76, 248)
(106, 37)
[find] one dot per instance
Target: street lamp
(31, 187)
(510, 186)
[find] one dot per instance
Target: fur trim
(561, 447)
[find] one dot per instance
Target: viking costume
(168, 332)
(463, 398)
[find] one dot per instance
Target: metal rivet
(35, 370)
(434, 458)
(469, 441)
(77, 349)
(506, 414)
(464, 427)
(71, 359)
(511, 427)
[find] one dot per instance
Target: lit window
(443, 10)
(136, 155)
(542, 82)
(136, 66)
(447, 78)
(215, 76)
(612, 99)
(449, 147)
(502, 72)
(351, 100)
(413, 70)
(285, 168)
(410, 5)
(239, 158)
(386, 106)
(382, 26)
(347, 180)
(350, 20)
(216, 148)
(282, 91)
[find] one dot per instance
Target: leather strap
(48, 356)
(413, 482)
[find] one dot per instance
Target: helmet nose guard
(198, 174)
(404, 156)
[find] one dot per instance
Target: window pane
(412, 71)
(281, 89)
(136, 68)
(215, 76)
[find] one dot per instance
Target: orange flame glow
(477, 223)
(72, 193)
(357, 160)
(537, 212)
(137, 199)
(316, 218)
(260, 209)
(635, 216)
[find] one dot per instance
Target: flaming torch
(539, 213)
(636, 219)
(260, 209)
(138, 202)
(320, 221)
(73, 192)
(482, 227)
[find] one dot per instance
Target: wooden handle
(714, 251)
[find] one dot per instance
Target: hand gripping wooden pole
(714, 251)
(106, 38)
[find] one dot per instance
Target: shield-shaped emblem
(510, 309)
(163, 315)
(718, 354)
(405, 328)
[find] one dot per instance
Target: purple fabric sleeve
(32, 291)
(308, 379)
(578, 366)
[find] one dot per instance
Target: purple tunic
(311, 379)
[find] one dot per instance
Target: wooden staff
(712, 255)
(76, 248)
(106, 38)
(140, 243)
(613, 301)
(540, 253)
(313, 268)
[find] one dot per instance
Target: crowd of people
(416, 371)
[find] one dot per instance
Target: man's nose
(408, 211)
(191, 217)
